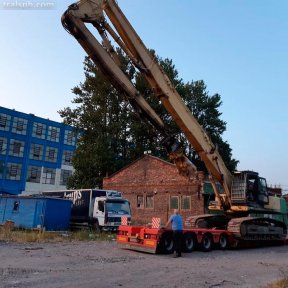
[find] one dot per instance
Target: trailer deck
(160, 240)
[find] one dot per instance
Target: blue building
(35, 153)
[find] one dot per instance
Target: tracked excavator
(242, 207)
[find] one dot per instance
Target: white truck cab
(109, 211)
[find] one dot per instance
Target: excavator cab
(250, 189)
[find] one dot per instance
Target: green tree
(112, 133)
(101, 116)
(205, 109)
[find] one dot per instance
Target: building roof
(140, 159)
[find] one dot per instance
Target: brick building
(154, 188)
(276, 191)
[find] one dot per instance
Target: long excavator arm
(98, 13)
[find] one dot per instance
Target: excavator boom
(245, 199)
(98, 13)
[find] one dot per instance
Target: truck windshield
(118, 207)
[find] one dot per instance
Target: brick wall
(155, 181)
(275, 191)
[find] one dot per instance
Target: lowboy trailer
(160, 240)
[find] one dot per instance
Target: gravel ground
(104, 264)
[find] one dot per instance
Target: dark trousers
(177, 237)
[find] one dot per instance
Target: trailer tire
(207, 242)
(223, 241)
(166, 244)
(189, 242)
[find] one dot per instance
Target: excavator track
(253, 228)
(207, 221)
(243, 228)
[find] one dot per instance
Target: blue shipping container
(36, 212)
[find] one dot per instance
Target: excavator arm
(100, 13)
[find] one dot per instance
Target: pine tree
(113, 135)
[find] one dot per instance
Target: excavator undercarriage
(243, 228)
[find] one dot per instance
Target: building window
(51, 154)
(19, 126)
(174, 202)
(149, 201)
(13, 171)
(2, 168)
(186, 202)
(53, 134)
(69, 138)
(3, 146)
(65, 174)
(140, 201)
(5, 121)
(34, 174)
(48, 176)
(36, 151)
(16, 148)
(67, 158)
(39, 130)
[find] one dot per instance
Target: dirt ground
(104, 264)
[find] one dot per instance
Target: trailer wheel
(166, 244)
(207, 242)
(189, 242)
(223, 242)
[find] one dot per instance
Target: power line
(278, 186)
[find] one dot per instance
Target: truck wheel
(189, 242)
(167, 244)
(223, 242)
(207, 242)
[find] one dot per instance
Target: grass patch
(86, 235)
(282, 283)
(24, 236)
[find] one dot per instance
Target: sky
(238, 47)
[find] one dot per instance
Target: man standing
(177, 226)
